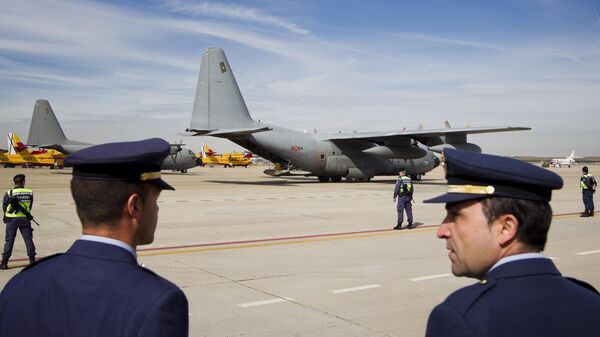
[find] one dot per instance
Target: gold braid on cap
(149, 176)
(471, 189)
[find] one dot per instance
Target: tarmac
(264, 256)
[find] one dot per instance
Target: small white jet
(558, 162)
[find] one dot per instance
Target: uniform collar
(110, 241)
(522, 266)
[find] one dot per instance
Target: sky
(127, 70)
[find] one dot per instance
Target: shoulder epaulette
(42, 260)
(583, 284)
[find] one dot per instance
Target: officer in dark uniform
(97, 288)
(498, 217)
(16, 205)
(404, 193)
(588, 187)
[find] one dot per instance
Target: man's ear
(508, 226)
(134, 206)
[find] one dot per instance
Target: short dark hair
(19, 178)
(585, 169)
(534, 217)
(102, 201)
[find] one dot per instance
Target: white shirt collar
(110, 241)
(516, 257)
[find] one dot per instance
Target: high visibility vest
(587, 182)
(405, 184)
(25, 196)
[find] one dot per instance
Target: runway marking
(258, 303)
(431, 277)
(315, 239)
(347, 290)
(169, 250)
(588, 252)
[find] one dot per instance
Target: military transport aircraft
(220, 111)
(45, 132)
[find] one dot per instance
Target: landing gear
(184, 171)
(336, 179)
(415, 177)
(324, 179)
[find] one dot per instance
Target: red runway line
(284, 238)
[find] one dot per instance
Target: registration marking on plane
(431, 277)
(589, 252)
(359, 288)
(258, 303)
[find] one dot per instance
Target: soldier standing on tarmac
(404, 192)
(16, 206)
(588, 187)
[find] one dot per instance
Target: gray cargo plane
(220, 111)
(45, 132)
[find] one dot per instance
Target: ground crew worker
(497, 219)
(97, 287)
(17, 205)
(588, 187)
(404, 193)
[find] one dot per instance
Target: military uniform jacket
(94, 289)
(520, 298)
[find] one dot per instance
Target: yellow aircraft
(209, 157)
(19, 154)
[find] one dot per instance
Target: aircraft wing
(228, 133)
(420, 134)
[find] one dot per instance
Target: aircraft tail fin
(572, 155)
(15, 145)
(218, 103)
(44, 127)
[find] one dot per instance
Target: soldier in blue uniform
(404, 193)
(498, 217)
(16, 206)
(588, 185)
(97, 288)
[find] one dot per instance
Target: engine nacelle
(360, 173)
(393, 152)
(470, 147)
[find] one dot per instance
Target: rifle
(14, 202)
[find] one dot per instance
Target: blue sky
(124, 70)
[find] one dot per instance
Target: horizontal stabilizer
(229, 133)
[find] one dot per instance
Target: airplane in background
(569, 160)
(220, 111)
(232, 159)
(45, 132)
(19, 154)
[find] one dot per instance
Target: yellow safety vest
(25, 196)
(586, 180)
(406, 183)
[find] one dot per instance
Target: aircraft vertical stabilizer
(44, 127)
(218, 103)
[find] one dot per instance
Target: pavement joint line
(430, 277)
(359, 288)
(265, 302)
(589, 252)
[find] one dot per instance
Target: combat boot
(409, 225)
(398, 227)
(31, 259)
(4, 264)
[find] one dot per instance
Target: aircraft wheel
(323, 179)
(184, 171)
(336, 179)
(416, 177)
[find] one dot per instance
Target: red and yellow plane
(19, 154)
(209, 157)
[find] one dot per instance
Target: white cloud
(235, 12)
